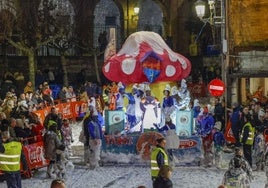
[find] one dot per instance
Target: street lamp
(200, 7)
(213, 19)
(136, 13)
(136, 10)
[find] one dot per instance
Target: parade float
(144, 64)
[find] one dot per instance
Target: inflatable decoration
(145, 57)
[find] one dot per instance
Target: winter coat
(52, 143)
(206, 124)
(53, 117)
(236, 178)
(22, 132)
(219, 112)
(37, 130)
(235, 119)
(161, 182)
(95, 130)
(244, 165)
(67, 134)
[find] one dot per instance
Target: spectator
(58, 183)
(62, 94)
(204, 129)
(244, 163)
(95, 140)
(163, 178)
(259, 149)
(70, 94)
(53, 115)
(28, 89)
(219, 111)
(235, 122)
(91, 89)
(47, 94)
(11, 128)
(8, 104)
(23, 107)
(219, 142)
(36, 102)
(236, 176)
(67, 136)
(52, 143)
(83, 95)
(22, 130)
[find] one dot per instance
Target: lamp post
(214, 21)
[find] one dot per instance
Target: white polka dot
(107, 67)
(170, 70)
(128, 65)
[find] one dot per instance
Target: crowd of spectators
(19, 99)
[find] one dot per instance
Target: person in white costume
(149, 106)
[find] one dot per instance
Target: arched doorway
(106, 16)
(151, 17)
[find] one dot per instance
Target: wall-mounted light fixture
(136, 13)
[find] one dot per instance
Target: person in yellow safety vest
(10, 160)
(247, 138)
(159, 157)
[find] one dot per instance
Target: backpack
(218, 139)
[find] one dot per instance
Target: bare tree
(35, 26)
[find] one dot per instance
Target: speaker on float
(114, 121)
(184, 123)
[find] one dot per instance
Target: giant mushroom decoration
(145, 57)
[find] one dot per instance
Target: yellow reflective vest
(154, 166)
(10, 159)
(251, 134)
